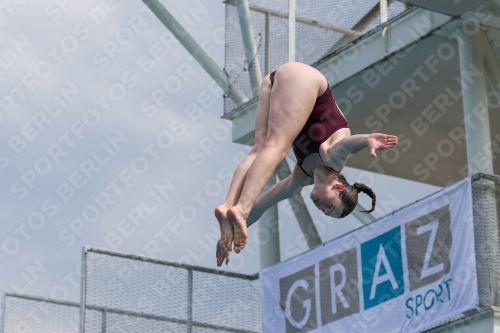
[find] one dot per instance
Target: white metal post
(291, 30)
(472, 51)
(103, 321)
(491, 66)
(488, 205)
(83, 289)
(4, 299)
(476, 119)
(249, 43)
(236, 95)
(269, 237)
(189, 325)
(384, 16)
(267, 38)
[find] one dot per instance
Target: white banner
(402, 273)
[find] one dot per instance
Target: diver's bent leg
(240, 173)
(258, 175)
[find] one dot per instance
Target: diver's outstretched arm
(280, 191)
(338, 154)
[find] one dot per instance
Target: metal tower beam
(291, 30)
(491, 66)
(268, 235)
(384, 15)
(364, 218)
(301, 212)
(233, 92)
(249, 43)
(474, 92)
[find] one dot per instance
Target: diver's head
(337, 198)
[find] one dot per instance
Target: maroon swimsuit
(325, 119)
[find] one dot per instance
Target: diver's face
(327, 199)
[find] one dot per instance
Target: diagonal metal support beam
(364, 218)
(268, 225)
(300, 210)
(301, 20)
(236, 95)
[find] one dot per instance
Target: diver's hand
(379, 141)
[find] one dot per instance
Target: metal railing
(22, 313)
(135, 293)
(321, 27)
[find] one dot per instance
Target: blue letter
(448, 288)
(382, 268)
(418, 302)
(409, 307)
(432, 299)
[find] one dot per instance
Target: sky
(111, 136)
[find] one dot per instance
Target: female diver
(295, 109)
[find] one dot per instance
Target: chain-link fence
(138, 294)
(27, 314)
(321, 28)
(486, 200)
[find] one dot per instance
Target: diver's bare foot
(226, 228)
(240, 237)
(221, 254)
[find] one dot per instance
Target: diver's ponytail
(365, 189)
(349, 196)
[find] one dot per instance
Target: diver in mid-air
(296, 109)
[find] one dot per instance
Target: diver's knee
(256, 149)
(278, 147)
